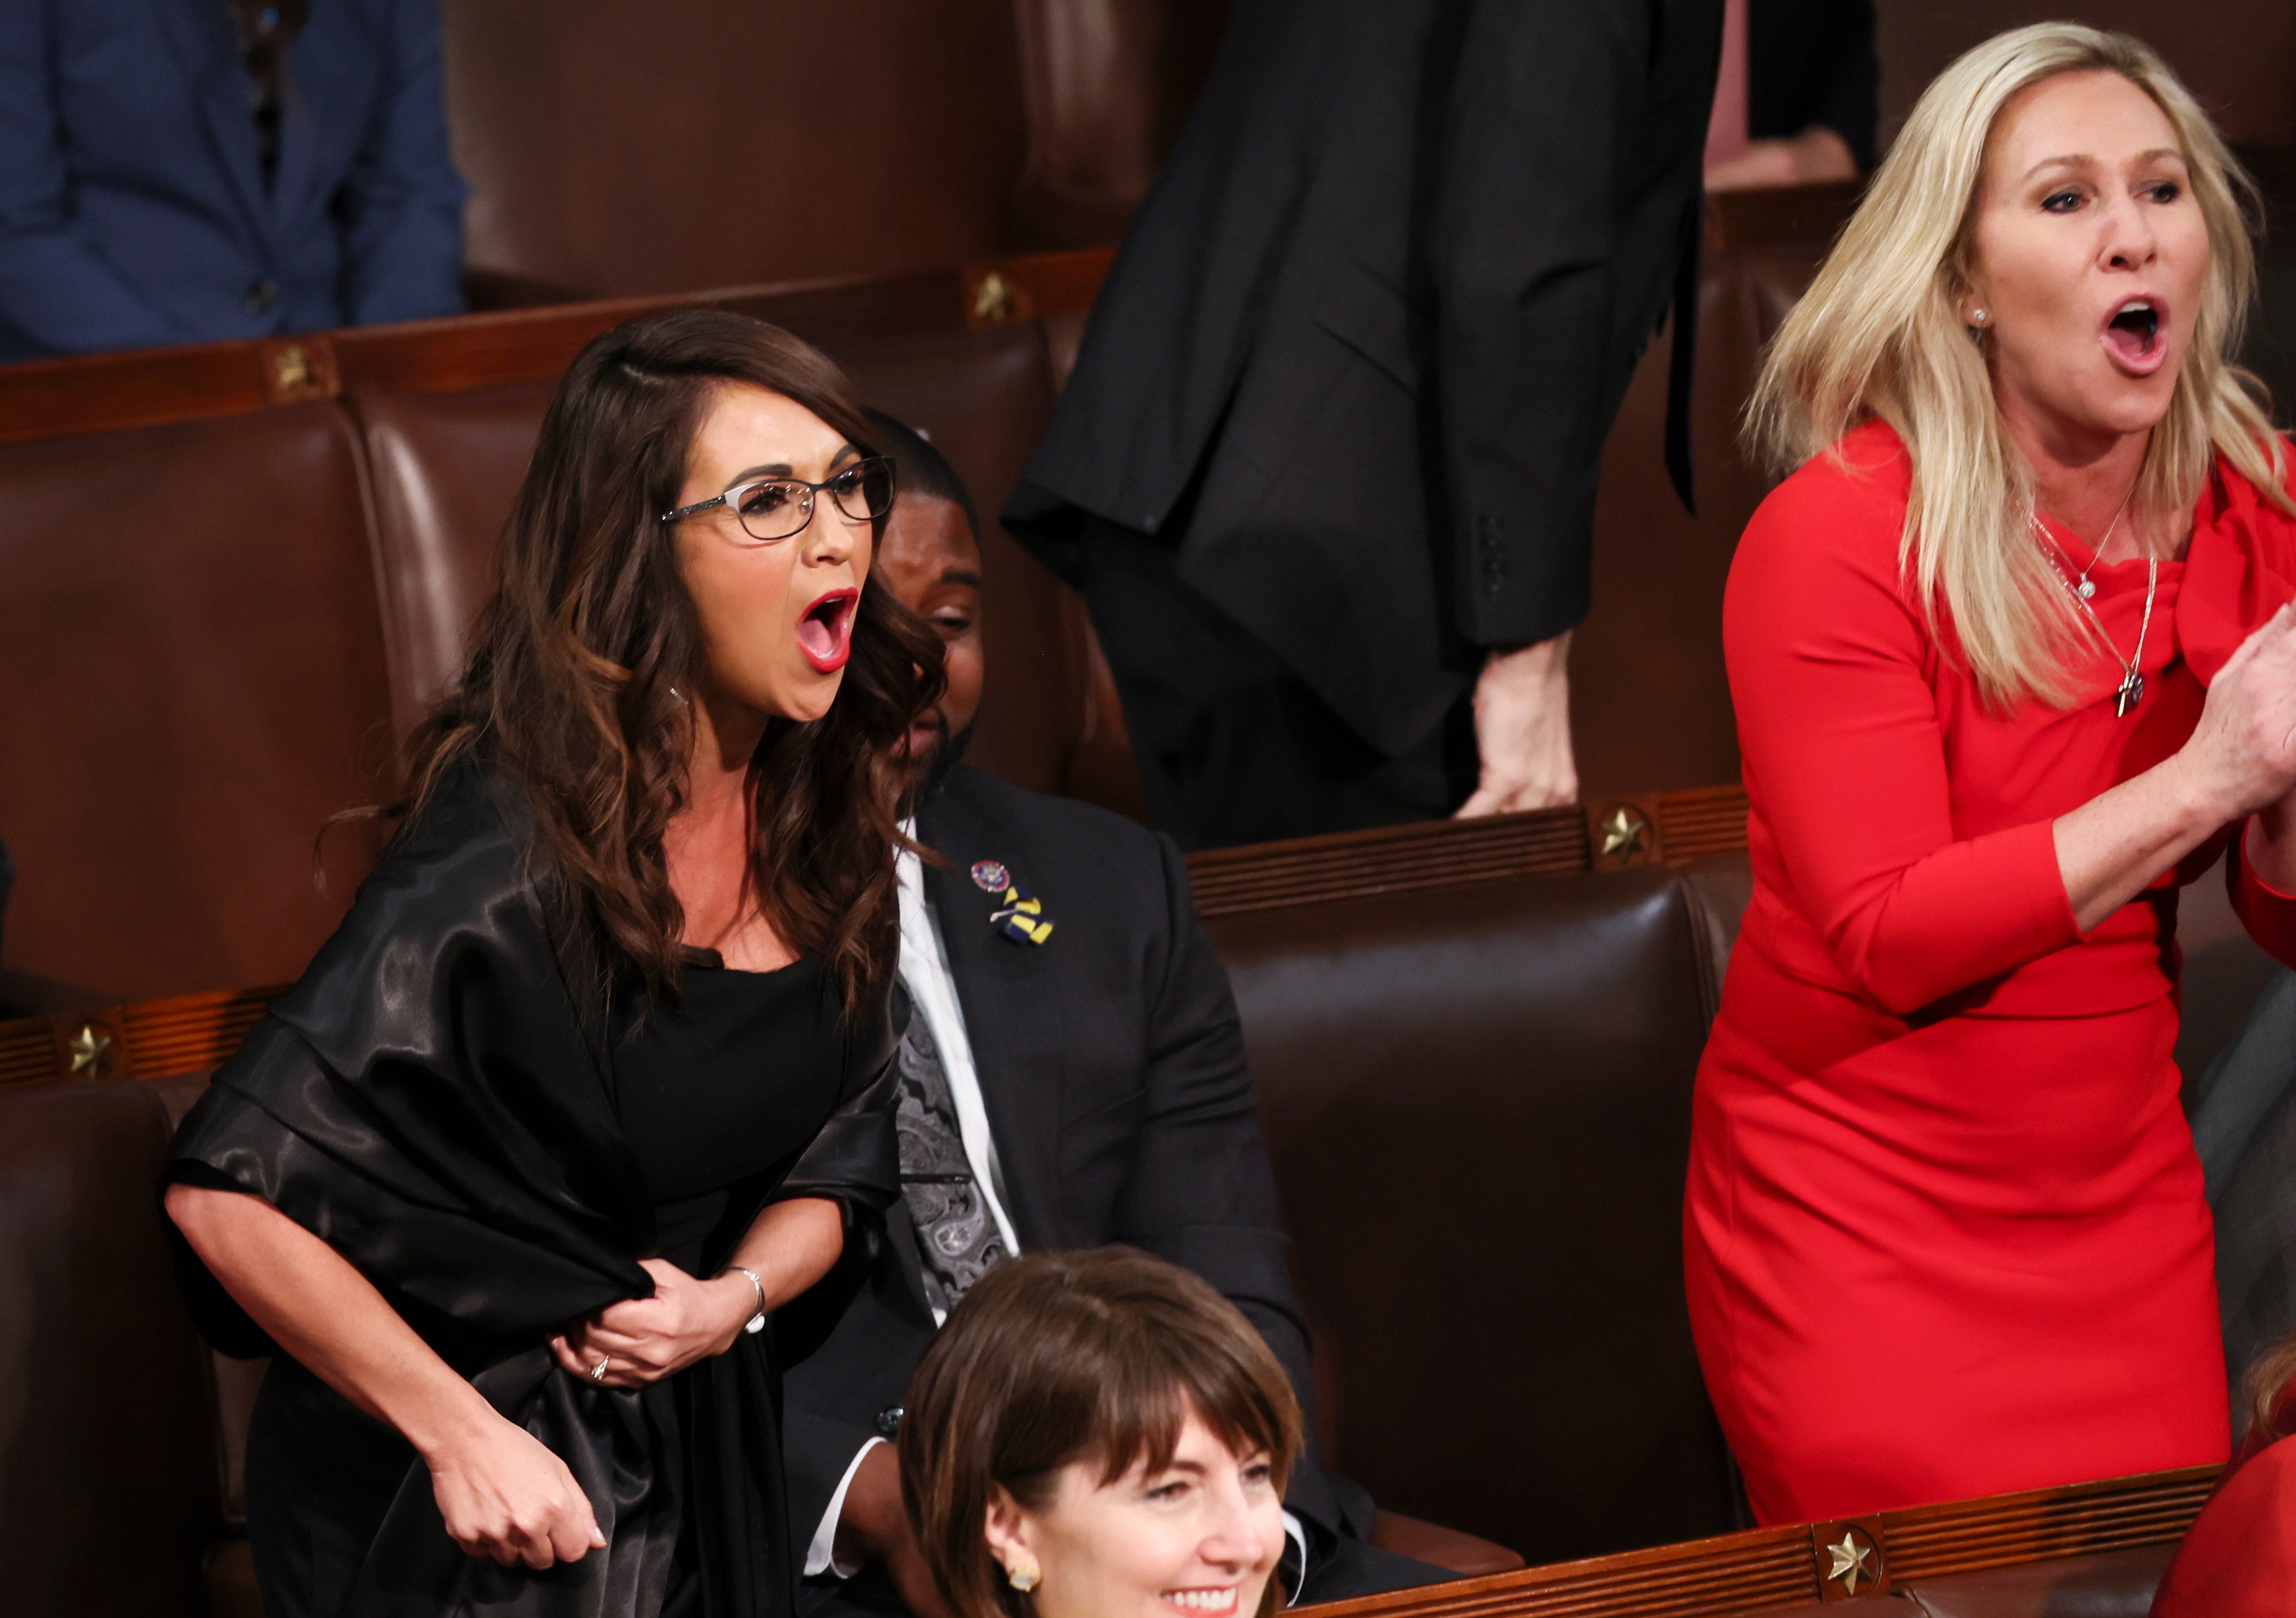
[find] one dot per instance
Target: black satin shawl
(428, 1100)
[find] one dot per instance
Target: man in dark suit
(1074, 1076)
(186, 170)
(1327, 462)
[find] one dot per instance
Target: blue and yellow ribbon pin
(1020, 914)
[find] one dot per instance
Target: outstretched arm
(501, 1492)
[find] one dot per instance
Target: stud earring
(1021, 1578)
(1977, 317)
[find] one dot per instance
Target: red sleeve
(1845, 759)
(2239, 1559)
(2268, 913)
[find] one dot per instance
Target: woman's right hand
(2243, 752)
(502, 1494)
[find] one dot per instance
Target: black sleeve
(425, 1100)
(1522, 245)
(1813, 64)
(1201, 1193)
(855, 1160)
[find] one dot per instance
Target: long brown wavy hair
(571, 690)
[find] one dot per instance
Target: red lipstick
(825, 633)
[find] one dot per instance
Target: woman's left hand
(643, 1339)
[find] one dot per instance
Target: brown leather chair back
(194, 676)
(1650, 698)
(1477, 1102)
(108, 1475)
(446, 468)
(616, 149)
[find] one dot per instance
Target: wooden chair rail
(1769, 1568)
(191, 1033)
(1608, 835)
(151, 387)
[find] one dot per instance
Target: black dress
(429, 1099)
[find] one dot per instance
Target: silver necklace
(2083, 588)
(2132, 684)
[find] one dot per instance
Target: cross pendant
(2131, 692)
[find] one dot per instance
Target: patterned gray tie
(957, 1238)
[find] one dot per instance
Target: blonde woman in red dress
(2012, 661)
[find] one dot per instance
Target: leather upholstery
(1105, 85)
(1650, 700)
(191, 665)
(446, 467)
(874, 139)
(755, 140)
(108, 1493)
(1477, 1104)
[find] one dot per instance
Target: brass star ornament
(88, 1048)
(1623, 833)
(1851, 1560)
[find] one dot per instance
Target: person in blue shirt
(187, 170)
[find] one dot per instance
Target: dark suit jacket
(1814, 63)
(1111, 1065)
(133, 210)
(1375, 319)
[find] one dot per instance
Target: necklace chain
(2083, 588)
(2131, 691)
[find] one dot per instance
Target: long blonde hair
(1879, 335)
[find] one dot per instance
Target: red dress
(1944, 1229)
(2239, 1559)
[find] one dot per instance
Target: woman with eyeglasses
(581, 1124)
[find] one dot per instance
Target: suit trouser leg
(1233, 747)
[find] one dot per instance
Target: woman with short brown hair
(1099, 1433)
(594, 1078)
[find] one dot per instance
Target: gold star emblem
(292, 367)
(1624, 832)
(88, 1047)
(1851, 1561)
(994, 299)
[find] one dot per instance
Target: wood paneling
(1790, 1566)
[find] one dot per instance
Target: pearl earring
(1977, 317)
(1021, 1578)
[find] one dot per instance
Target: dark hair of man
(921, 468)
(572, 690)
(1059, 1357)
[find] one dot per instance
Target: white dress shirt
(933, 991)
(924, 974)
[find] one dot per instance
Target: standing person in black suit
(1327, 463)
(1073, 1076)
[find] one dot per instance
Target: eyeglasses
(776, 508)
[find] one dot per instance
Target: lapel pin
(990, 876)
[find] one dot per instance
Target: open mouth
(1220, 1600)
(825, 633)
(2134, 335)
